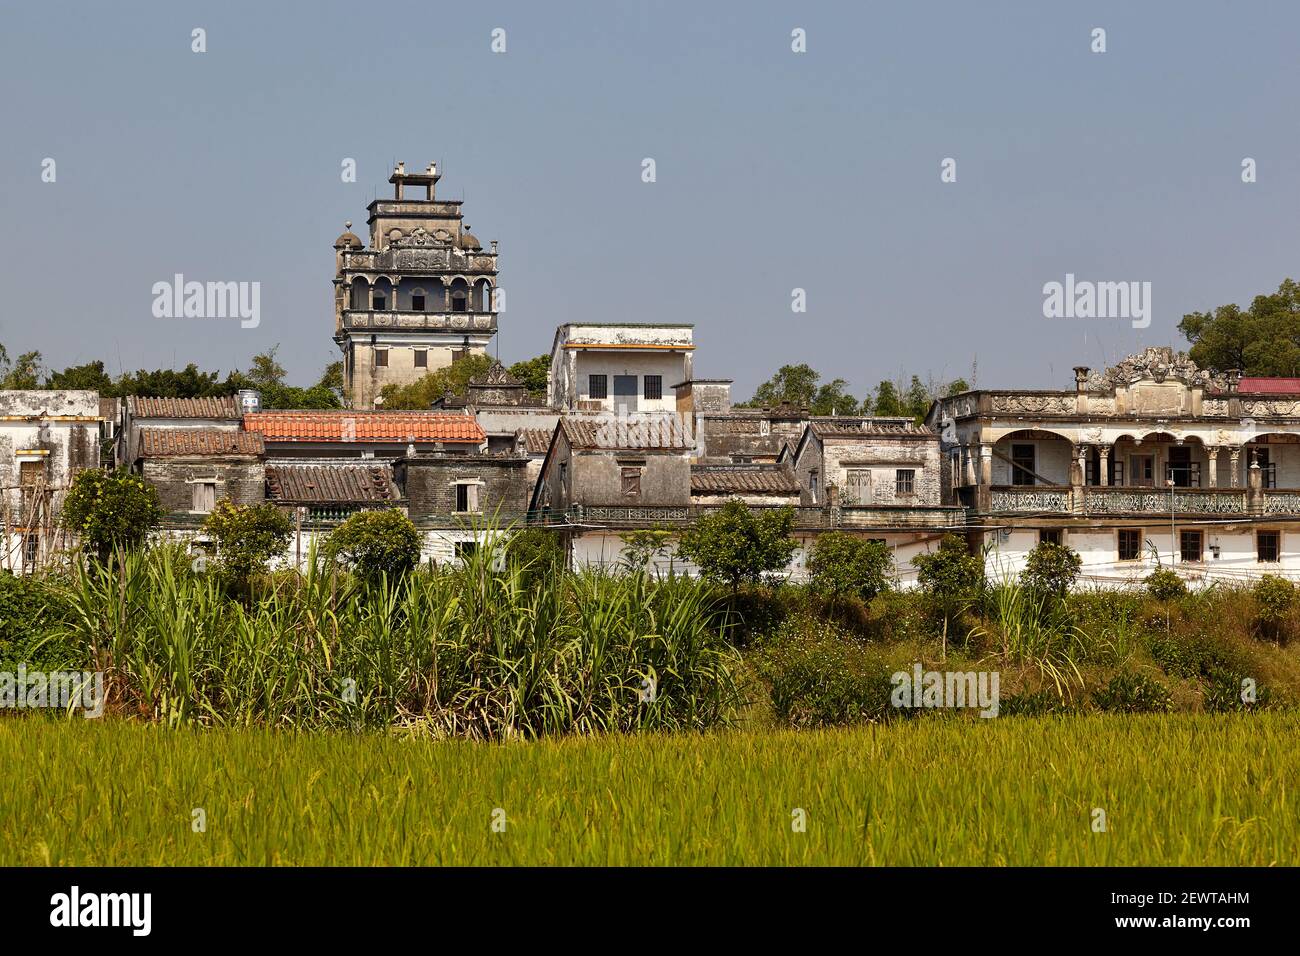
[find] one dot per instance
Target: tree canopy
(1263, 339)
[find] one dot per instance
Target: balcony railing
(1282, 502)
(1050, 499)
(1116, 500)
(422, 321)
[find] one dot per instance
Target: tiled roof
(148, 406)
(355, 426)
(852, 427)
(535, 441)
(215, 442)
(333, 483)
(740, 479)
(630, 433)
(1269, 386)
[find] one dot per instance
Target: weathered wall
(429, 484)
(598, 479)
(243, 482)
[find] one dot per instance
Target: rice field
(1174, 790)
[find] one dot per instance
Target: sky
(774, 171)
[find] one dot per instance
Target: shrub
(736, 545)
(247, 537)
(111, 509)
(818, 678)
(32, 615)
(1274, 601)
(375, 544)
(951, 577)
(1130, 693)
(1051, 569)
(842, 565)
(1034, 703)
(1164, 585)
(535, 553)
(641, 547)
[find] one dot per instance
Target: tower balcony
(388, 321)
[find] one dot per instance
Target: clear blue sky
(775, 170)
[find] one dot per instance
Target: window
(1022, 462)
(1130, 544)
(421, 358)
(466, 549)
(1268, 546)
(458, 302)
(466, 497)
(1143, 470)
(205, 496)
(1267, 468)
(597, 386)
(631, 482)
(812, 485)
(381, 302)
(1190, 545)
(32, 548)
(904, 481)
(417, 301)
(1049, 536)
(857, 486)
(381, 358)
(653, 386)
(31, 473)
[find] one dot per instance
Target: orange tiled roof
(355, 426)
(214, 442)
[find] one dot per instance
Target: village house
(618, 367)
(1153, 461)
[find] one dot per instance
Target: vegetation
(951, 577)
(1051, 570)
(737, 545)
(1263, 339)
(247, 538)
(375, 545)
(110, 510)
(801, 385)
(1020, 792)
(842, 564)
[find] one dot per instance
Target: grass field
(1175, 790)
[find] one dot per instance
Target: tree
(111, 509)
(1261, 340)
(266, 375)
(247, 537)
(1051, 569)
(375, 544)
(640, 548)
(795, 384)
(24, 374)
(735, 545)
(833, 399)
(887, 403)
(534, 373)
(422, 393)
(842, 564)
(89, 376)
(169, 383)
(536, 552)
(951, 577)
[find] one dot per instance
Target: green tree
(89, 376)
(1263, 339)
(25, 373)
(952, 578)
(169, 383)
(375, 544)
(422, 393)
(247, 537)
(111, 509)
(642, 547)
(833, 398)
(842, 564)
(736, 545)
(887, 403)
(1051, 569)
(534, 373)
(795, 384)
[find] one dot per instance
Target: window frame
(1183, 536)
(1276, 536)
(658, 382)
(592, 379)
(1119, 544)
(904, 482)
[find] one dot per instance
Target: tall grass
(469, 651)
(1031, 629)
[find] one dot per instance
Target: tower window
(381, 358)
(458, 302)
(421, 358)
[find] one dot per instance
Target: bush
(247, 537)
(1129, 693)
(1164, 585)
(535, 553)
(951, 577)
(642, 547)
(842, 565)
(111, 509)
(32, 617)
(1274, 601)
(375, 544)
(735, 545)
(818, 678)
(1051, 569)
(1034, 703)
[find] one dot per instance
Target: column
(1103, 465)
(1212, 453)
(1234, 455)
